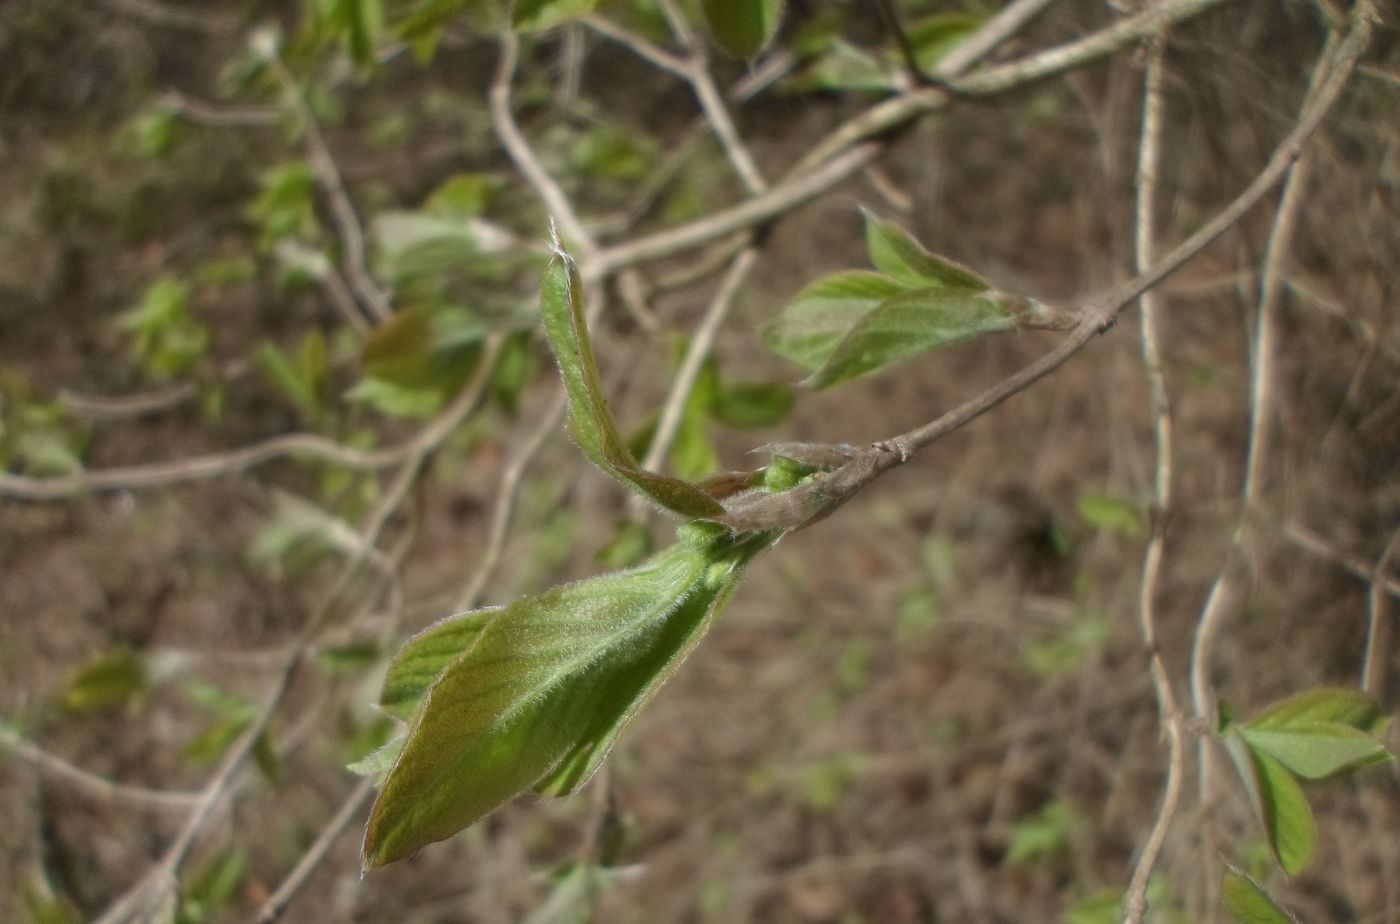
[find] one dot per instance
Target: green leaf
(1278, 801)
(1248, 903)
(811, 326)
(1316, 750)
(752, 404)
(913, 323)
(1344, 705)
(1111, 514)
(1043, 835)
(590, 421)
(426, 655)
(381, 760)
(113, 678)
(934, 37)
(536, 15)
(542, 695)
(743, 27)
(894, 251)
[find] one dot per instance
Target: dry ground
(893, 692)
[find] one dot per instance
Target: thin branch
(695, 355)
(215, 115)
(1011, 19)
(503, 120)
(92, 784)
(153, 892)
(126, 407)
(890, 114)
(1379, 629)
(312, 857)
(643, 48)
(216, 465)
(868, 464)
(1149, 165)
(507, 491)
(1358, 568)
(1233, 577)
(352, 235)
(754, 211)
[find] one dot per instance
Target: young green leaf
(113, 678)
(1248, 903)
(537, 15)
(751, 404)
(1344, 705)
(809, 329)
(913, 323)
(426, 655)
(544, 692)
(1278, 801)
(590, 421)
(743, 27)
(894, 251)
(1316, 750)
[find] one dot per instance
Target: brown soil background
(811, 762)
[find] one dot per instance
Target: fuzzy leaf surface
(546, 689)
(590, 421)
(809, 329)
(425, 656)
(894, 251)
(909, 324)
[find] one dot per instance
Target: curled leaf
(590, 421)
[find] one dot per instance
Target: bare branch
(1379, 629)
(352, 235)
(312, 857)
(1149, 162)
(1359, 568)
(884, 116)
(153, 892)
(503, 120)
(698, 350)
(871, 463)
(1233, 577)
(751, 212)
(92, 784)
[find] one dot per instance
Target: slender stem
(352, 236)
(1230, 584)
(153, 892)
(753, 211)
(1379, 628)
(312, 857)
(1358, 568)
(1149, 164)
(503, 120)
(696, 353)
(91, 783)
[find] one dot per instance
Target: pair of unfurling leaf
(534, 694)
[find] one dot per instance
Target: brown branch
(1233, 577)
(154, 891)
(1172, 720)
(91, 783)
(792, 508)
(1379, 628)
